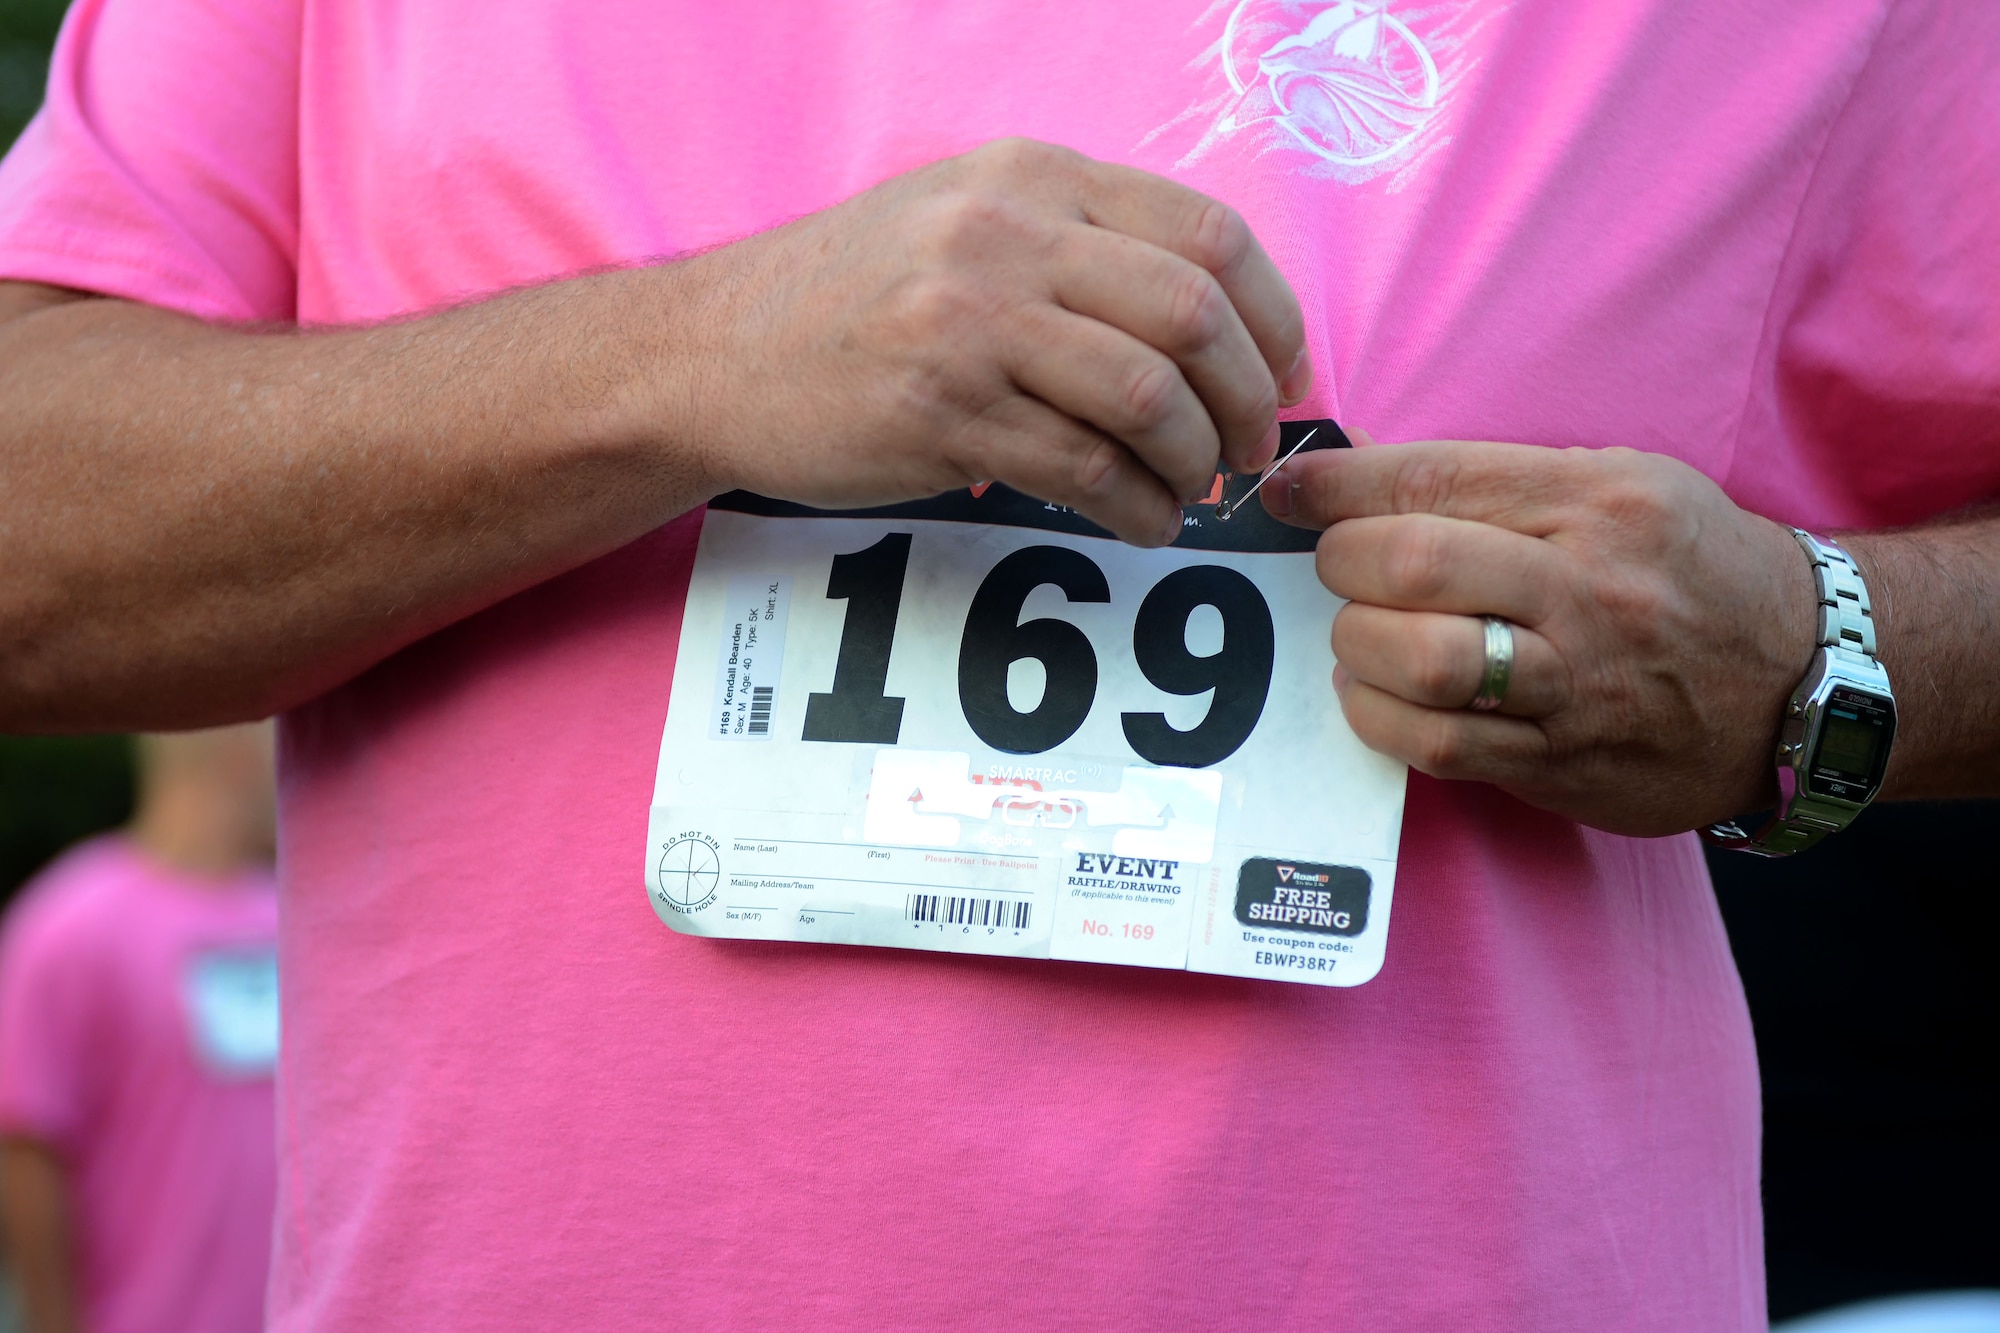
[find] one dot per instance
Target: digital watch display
(1855, 730)
(1839, 725)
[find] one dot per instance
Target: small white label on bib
(751, 657)
(1013, 737)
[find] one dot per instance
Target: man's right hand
(1088, 334)
(266, 513)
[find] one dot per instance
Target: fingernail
(1298, 380)
(1280, 493)
(1340, 678)
(1172, 532)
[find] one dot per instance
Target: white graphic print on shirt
(1353, 88)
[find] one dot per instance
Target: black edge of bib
(1250, 530)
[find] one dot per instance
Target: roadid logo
(1295, 895)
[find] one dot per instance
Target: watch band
(1846, 619)
(1846, 634)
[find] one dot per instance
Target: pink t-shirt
(138, 1034)
(1749, 233)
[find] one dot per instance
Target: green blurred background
(27, 28)
(53, 790)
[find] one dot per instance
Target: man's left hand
(1658, 628)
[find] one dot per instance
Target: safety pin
(1222, 512)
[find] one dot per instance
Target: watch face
(1853, 745)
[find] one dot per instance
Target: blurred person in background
(138, 1037)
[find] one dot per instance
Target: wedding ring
(1499, 665)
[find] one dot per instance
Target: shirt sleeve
(1877, 398)
(49, 987)
(163, 166)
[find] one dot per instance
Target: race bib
(978, 724)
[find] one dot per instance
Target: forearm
(34, 1209)
(204, 524)
(1936, 595)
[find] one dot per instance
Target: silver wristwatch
(1839, 723)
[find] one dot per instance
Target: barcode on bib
(760, 709)
(948, 911)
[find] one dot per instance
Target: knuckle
(1433, 668)
(1291, 328)
(936, 304)
(969, 224)
(1327, 562)
(1218, 237)
(1628, 502)
(1015, 157)
(1416, 564)
(943, 396)
(1148, 400)
(1260, 409)
(1634, 492)
(1000, 154)
(1097, 469)
(1639, 609)
(1436, 747)
(1425, 483)
(1199, 311)
(1563, 686)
